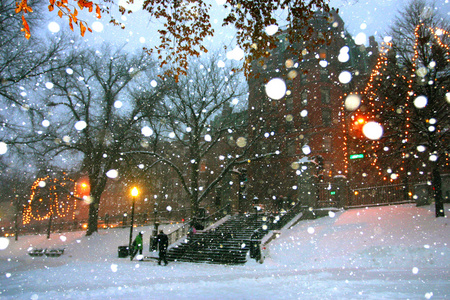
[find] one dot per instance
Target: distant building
(310, 119)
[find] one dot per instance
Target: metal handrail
(183, 230)
(285, 218)
(178, 234)
(214, 215)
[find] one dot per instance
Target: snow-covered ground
(390, 252)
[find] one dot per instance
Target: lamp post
(153, 239)
(134, 194)
(155, 211)
(124, 219)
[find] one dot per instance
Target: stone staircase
(228, 243)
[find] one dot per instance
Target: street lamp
(155, 211)
(134, 194)
(153, 240)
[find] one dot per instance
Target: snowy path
(397, 252)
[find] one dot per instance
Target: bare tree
(22, 63)
(201, 121)
(91, 117)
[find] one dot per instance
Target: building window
(327, 168)
(325, 96)
(202, 166)
(303, 78)
(288, 126)
(326, 143)
(304, 97)
(326, 117)
(324, 75)
(291, 148)
(305, 122)
(282, 44)
(274, 126)
(289, 103)
(323, 54)
(263, 146)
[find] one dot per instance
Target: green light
(356, 156)
(333, 193)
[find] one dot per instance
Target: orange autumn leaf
(82, 29)
(27, 33)
(19, 6)
(60, 14)
(26, 28)
(23, 7)
(84, 3)
(25, 24)
(97, 11)
(50, 8)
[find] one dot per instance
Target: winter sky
(372, 17)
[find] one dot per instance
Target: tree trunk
(97, 182)
(195, 171)
(49, 227)
(437, 189)
(93, 215)
(16, 225)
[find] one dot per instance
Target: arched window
(304, 97)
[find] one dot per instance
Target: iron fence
(340, 195)
(378, 195)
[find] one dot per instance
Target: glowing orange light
(134, 192)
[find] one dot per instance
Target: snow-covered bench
(36, 252)
(54, 252)
(46, 252)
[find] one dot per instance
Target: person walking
(138, 245)
(163, 243)
(192, 231)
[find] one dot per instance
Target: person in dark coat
(163, 243)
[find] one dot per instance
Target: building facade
(306, 127)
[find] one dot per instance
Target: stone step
(226, 244)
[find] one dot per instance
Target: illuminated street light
(134, 194)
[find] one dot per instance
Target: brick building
(309, 121)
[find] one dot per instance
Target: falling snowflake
(3, 148)
(276, 88)
(4, 243)
(112, 173)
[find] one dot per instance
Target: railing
(216, 216)
(378, 195)
(340, 195)
(178, 234)
(205, 222)
(282, 219)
